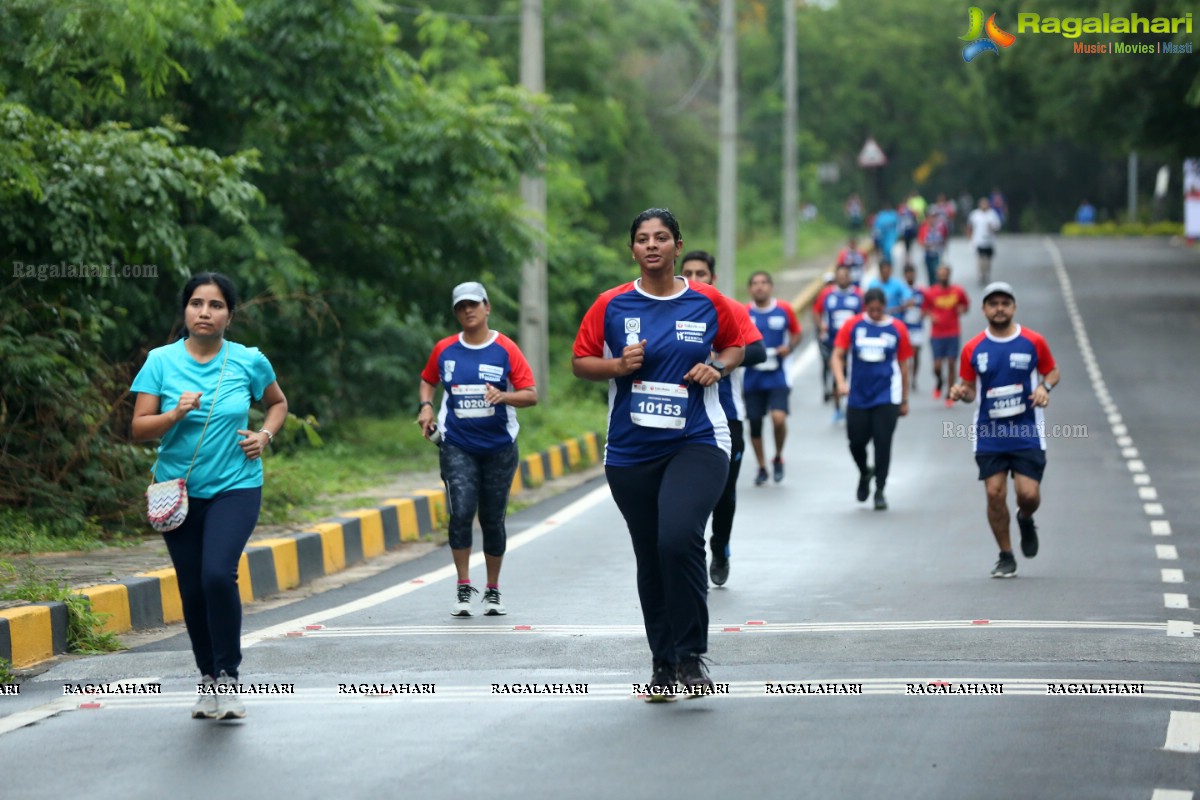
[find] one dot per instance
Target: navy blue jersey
(653, 412)
(1008, 371)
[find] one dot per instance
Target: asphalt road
(894, 610)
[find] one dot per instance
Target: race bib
(659, 405)
(469, 401)
(1006, 401)
(872, 354)
(839, 318)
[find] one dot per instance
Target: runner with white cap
(1010, 370)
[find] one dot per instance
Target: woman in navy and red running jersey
(484, 378)
(870, 368)
(667, 452)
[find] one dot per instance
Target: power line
(701, 79)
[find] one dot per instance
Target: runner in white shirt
(982, 226)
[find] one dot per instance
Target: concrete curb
(37, 632)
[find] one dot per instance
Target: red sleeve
(819, 303)
(430, 374)
(843, 336)
(589, 341)
(965, 370)
(904, 349)
(729, 325)
(750, 331)
(858, 290)
(519, 373)
(1045, 360)
(793, 323)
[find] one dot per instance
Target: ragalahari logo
(983, 38)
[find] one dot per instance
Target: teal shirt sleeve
(262, 374)
(150, 377)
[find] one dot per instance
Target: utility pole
(790, 114)
(535, 302)
(727, 160)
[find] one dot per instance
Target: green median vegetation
(26, 580)
(1111, 228)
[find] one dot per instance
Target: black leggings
(478, 482)
(206, 550)
(666, 504)
(877, 423)
(722, 515)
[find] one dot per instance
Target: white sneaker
(462, 606)
(206, 706)
(492, 607)
(229, 702)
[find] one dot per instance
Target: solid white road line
(550, 524)
(22, 718)
(1183, 732)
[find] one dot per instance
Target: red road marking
(755, 622)
(522, 627)
(295, 633)
(314, 627)
(981, 622)
(92, 704)
(416, 580)
(731, 630)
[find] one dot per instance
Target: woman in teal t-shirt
(177, 387)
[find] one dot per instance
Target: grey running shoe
(206, 706)
(761, 477)
(864, 484)
(1029, 537)
(662, 687)
(777, 465)
(462, 606)
(229, 702)
(880, 500)
(718, 571)
(492, 607)
(1006, 567)
(693, 676)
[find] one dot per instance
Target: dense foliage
(348, 161)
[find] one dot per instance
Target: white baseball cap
(998, 287)
(470, 290)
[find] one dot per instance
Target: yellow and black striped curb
(36, 632)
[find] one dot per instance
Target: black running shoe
(718, 571)
(662, 687)
(864, 484)
(1006, 567)
(880, 500)
(761, 477)
(1029, 539)
(693, 677)
(778, 463)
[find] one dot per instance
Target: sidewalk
(137, 588)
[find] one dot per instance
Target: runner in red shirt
(944, 302)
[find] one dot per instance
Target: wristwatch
(1047, 387)
(718, 365)
(424, 403)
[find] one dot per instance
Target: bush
(1124, 229)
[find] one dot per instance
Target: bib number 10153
(659, 405)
